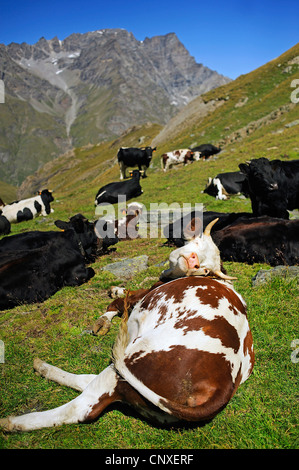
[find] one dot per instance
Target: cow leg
(98, 394)
(117, 307)
(77, 381)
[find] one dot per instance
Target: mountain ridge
(91, 87)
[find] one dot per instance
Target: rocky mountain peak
(94, 86)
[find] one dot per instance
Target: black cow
(178, 232)
(78, 229)
(4, 225)
(273, 186)
(110, 193)
(225, 184)
(132, 157)
(260, 240)
(35, 265)
(206, 150)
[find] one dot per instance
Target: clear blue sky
(232, 37)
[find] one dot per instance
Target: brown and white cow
(175, 157)
(179, 357)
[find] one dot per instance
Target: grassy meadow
(262, 414)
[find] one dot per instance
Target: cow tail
(122, 338)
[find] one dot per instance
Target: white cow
(179, 357)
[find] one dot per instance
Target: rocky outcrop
(265, 275)
(127, 268)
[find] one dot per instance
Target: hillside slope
(246, 110)
(250, 117)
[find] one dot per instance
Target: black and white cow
(34, 265)
(110, 193)
(131, 157)
(188, 322)
(226, 184)
(28, 209)
(273, 186)
(206, 150)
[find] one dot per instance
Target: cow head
(199, 257)
(46, 195)
(136, 173)
(261, 175)
(211, 188)
(268, 197)
(149, 152)
(85, 236)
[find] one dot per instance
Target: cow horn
(209, 226)
(224, 276)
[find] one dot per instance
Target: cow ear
(61, 224)
(244, 168)
(193, 228)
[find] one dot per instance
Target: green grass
(263, 414)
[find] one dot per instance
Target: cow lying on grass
(260, 240)
(243, 238)
(179, 357)
(28, 209)
(226, 184)
(35, 265)
(111, 192)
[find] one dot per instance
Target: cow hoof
(101, 326)
(116, 292)
(38, 366)
(6, 425)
